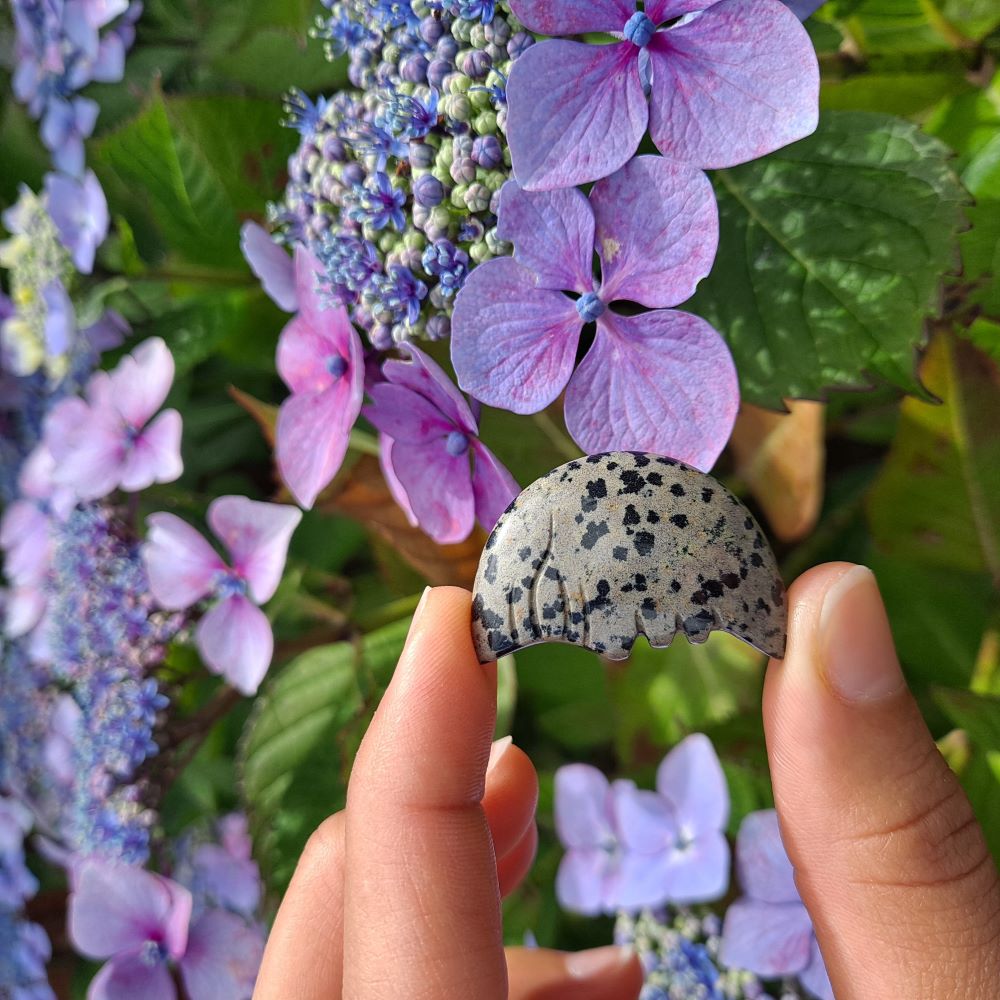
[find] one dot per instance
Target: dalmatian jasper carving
(612, 546)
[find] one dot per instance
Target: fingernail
(855, 643)
(421, 603)
(598, 961)
(499, 748)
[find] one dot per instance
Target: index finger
(422, 904)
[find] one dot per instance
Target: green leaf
(831, 256)
(290, 59)
(937, 500)
(897, 93)
(299, 744)
(977, 714)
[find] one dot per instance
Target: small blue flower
(400, 293)
(447, 263)
(301, 113)
(410, 117)
(379, 204)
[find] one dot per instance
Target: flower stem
(562, 442)
(364, 443)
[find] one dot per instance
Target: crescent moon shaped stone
(613, 546)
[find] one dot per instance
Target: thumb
(889, 858)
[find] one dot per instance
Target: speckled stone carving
(612, 546)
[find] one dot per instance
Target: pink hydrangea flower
(234, 637)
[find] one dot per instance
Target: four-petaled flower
(727, 81)
(768, 931)
(433, 432)
(660, 381)
(80, 213)
(111, 440)
(234, 637)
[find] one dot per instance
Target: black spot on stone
(652, 517)
(578, 518)
(620, 553)
(594, 533)
(699, 597)
(707, 494)
(490, 619)
(524, 553)
(514, 595)
(778, 593)
(654, 479)
(762, 605)
(640, 582)
(756, 559)
(713, 588)
(632, 482)
(597, 489)
(680, 520)
(594, 459)
(491, 569)
(677, 490)
(526, 581)
(551, 573)
(675, 586)
(731, 580)
(758, 541)
(748, 523)
(631, 516)
(649, 609)
(644, 542)
(641, 460)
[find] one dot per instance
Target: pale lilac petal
(115, 908)
(235, 641)
(770, 939)
(643, 881)
(734, 83)
(23, 609)
(565, 101)
(583, 807)
(570, 17)
(308, 272)
(764, 870)
(699, 872)
(803, 9)
(552, 233)
(405, 415)
(493, 487)
(814, 977)
(155, 455)
(587, 882)
(181, 565)
(140, 383)
(662, 382)
(645, 820)
(24, 537)
(657, 231)
(127, 977)
(231, 882)
(63, 426)
(513, 345)
(256, 536)
(223, 957)
(311, 442)
(425, 376)
(659, 11)
(392, 480)
(94, 457)
(691, 779)
(439, 488)
(271, 264)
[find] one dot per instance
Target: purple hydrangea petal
(102, 12)
(513, 345)
(645, 820)
(116, 908)
(438, 487)
(657, 231)
(425, 376)
(311, 440)
(109, 63)
(223, 956)
(662, 382)
(764, 870)
(803, 9)
(256, 535)
(181, 565)
(699, 872)
(405, 415)
(691, 779)
(643, 881)
(231, 881)
(564, 101)
(659, 11)
(308, 279)
(392, 480)
(770, 939)
(271, 264)
(235, 641)
(570, 17)
(736, 82)
(141, 381)
(79, 210)
(814, 977)
(92, 466)
(129, 976)
(23, 609)
(583, 807)
(60, 320)
(587, 881)
(552, 233)
(155, 455)
(493, 487)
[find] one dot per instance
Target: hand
(399, 895)
(406, 882)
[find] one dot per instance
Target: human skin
(399, 894)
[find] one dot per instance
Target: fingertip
(516, 863)
(511, 798)
(611, 973)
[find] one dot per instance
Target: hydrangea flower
(272, 265)
(727, 82)
(112, 440)
(660, 381)
(80, 213)
(234, 637)
(433, 434)
(768, 930)
(675, 842)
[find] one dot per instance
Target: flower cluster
(203, 921)
(394, 184)
(649, 855)
(61, 46)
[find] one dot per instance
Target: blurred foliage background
(857, 273)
